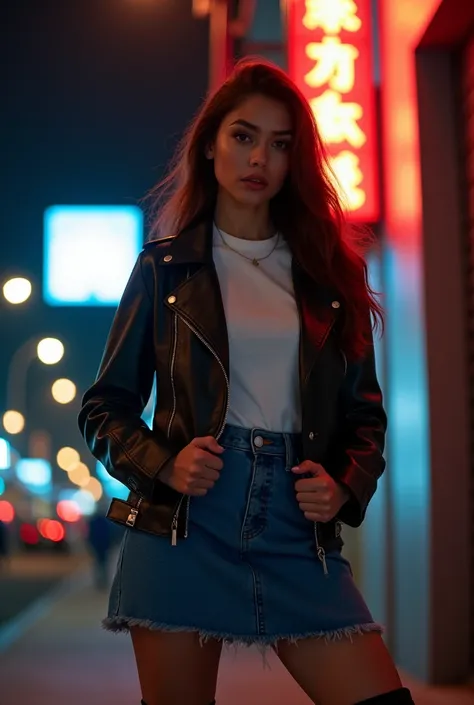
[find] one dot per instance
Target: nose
(258, 157)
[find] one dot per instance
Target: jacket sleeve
(110, 418)
(364, 427)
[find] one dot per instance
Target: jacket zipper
(321, 553)
(320, 550)
(132, 517)
(174, 523)
(173, 360)
(345, 361)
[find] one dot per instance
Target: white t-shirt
(264, 330)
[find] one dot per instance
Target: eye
(241, 137)
(282, 144)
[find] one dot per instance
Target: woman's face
(251, 150)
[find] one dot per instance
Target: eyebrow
(255, 128)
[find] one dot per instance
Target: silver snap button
(171, 299)
(336, 304)
(168, 258)
(311, 436)
(258, 441)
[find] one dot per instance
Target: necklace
(254, 260)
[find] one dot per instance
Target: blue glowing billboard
(89, 252)
(5, 454)
(35, 473)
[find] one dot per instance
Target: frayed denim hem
(262, 643)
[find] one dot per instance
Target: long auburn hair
(307, 210)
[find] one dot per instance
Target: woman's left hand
(320, 497)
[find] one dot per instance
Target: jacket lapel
(198, 300)
(318, 310)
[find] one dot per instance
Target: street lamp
(94, 487)
(13, 422)
(79, 474)
(67, 457)
(63, 391)
(49, 351)
(17, 290)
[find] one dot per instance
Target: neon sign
(330, 60)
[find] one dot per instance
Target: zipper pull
(174, 523)
(174, 530)
(322, 558)
(132, 517)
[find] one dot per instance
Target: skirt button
(258, 441)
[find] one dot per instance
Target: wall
(402, 23)
(467, 157)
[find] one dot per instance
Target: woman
(268, 432)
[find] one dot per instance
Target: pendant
(255, 262)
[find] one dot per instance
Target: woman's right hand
(195, 469)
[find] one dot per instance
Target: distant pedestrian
(4, 545)
(100, 541)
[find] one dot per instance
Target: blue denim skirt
(248, 572)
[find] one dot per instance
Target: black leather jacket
(171, 322)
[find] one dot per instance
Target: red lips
(256, 179)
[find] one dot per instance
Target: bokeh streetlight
(63, 391)
(79, 474)
(67, 457)
(95, 488)
(17, 290)
(50, 351)
(13, 422)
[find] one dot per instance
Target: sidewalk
(65, 657)
(27, 583)
(54, 565)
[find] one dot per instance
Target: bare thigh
(341, 672)
(174, 669)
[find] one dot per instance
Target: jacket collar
(193, 245)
